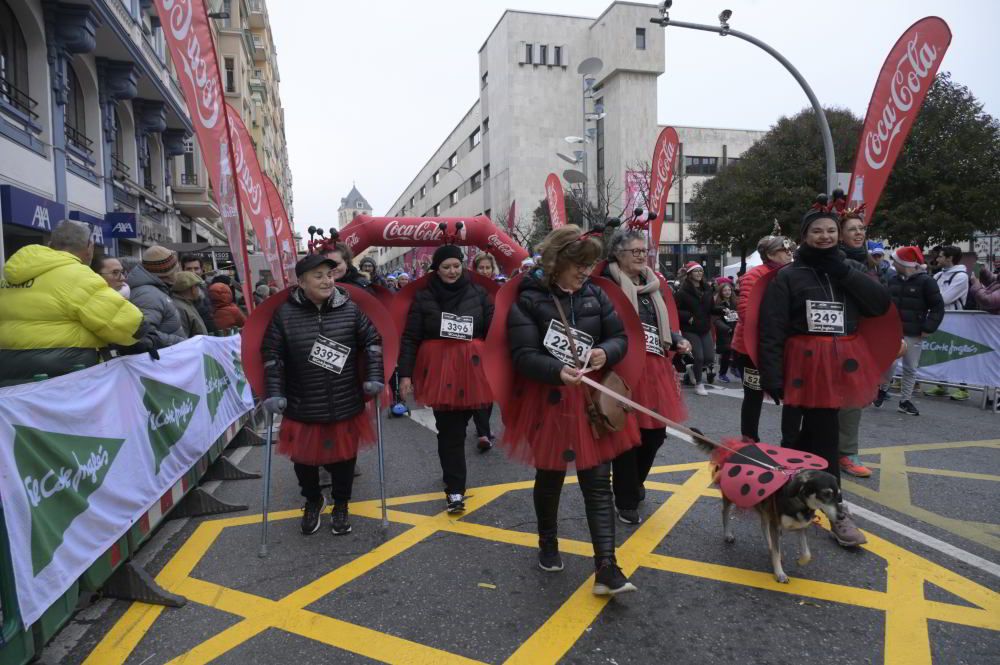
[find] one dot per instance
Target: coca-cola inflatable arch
(364, 232)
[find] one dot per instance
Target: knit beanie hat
(184, 281)
(159, 260)
(445, 252)
(911, 257)
(815, 216)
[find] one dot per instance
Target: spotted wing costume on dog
(747, 473)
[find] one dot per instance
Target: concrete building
(93, 126)
(531, 97)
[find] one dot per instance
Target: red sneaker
(853, 466)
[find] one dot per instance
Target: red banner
(282, 229)
(512, 216)
(902, 85)
(556, 199)
(189, 37)
(664, 161)
(366, 232)
(253, 194)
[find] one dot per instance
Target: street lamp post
(724, 30)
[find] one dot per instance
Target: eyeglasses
(585, 267)
(639, 252)
(114, 273)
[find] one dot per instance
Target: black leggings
(451, 427)
(703, 352)
(818, 433)
(631, 468)
(342, 474)
(481, 417)
(595, 484)
(753, 399)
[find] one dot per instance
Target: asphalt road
(437, 589)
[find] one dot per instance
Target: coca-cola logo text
(909, 79)
(352, 240)
(253, 192)
(662, 166)
(200, 70)
(413, 231)
(498, 244)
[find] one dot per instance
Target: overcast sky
(371, 89)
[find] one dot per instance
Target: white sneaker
(700, 389)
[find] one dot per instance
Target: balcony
(259, 48)
(258, 14)
(192, 197)
(17, 106)
(120, 170)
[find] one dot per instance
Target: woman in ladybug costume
(809, 350)
(546, 418)
(658, 388)
(440, 361)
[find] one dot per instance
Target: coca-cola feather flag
(902, 85)
(192, 50)
(664, 160)
(283, 230)
(253, 194)
(556, 200)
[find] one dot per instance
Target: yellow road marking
(948, 473)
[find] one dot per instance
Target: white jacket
(954, 285)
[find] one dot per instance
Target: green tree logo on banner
(241, 378)
(942, 347)
(217, 382)
(170, 412)
(59, 473)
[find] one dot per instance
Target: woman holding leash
(658, 388)
(559, 323)
(321, 356)
(440, 362)
(811, 355)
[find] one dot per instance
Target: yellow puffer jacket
(50, 300)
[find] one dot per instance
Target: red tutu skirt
(449, 375)
(829, 372)
(316, 444)
(658, 390)
(547, 427)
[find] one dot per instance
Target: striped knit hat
(159, 260)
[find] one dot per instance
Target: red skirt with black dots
(658, 390)
(449, 375)
(546, 426)
(829, 372)
(316, 444)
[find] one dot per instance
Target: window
(486, 172)
(227, 9)
(543, 54)
(423, 191)
(476, 181)
(668, 215)
(701, 165)
(146, 159)
(687, 207)
(411, 201)
(475, 138)
(488, 211)
(436, 178)
(121, 169)
(189, 176)
(484, 77)
(437, 210)
(258, 73)
(453, 160)
(557, 56)
(640, 38)
(13, 63)
(529, 54)
(486, 125)
(230, 75)
(732, 161)
(76, 119)
(453, 197)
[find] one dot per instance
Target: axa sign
(23, 208)
(121, 225)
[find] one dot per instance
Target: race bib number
(825, 317)
(556, 342)
(653, 342)
(732, 316)
(751, 378)
(456, 327)
(329, 354)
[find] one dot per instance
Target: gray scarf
(650, 288)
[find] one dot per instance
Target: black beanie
(445, 252)
(812, 216)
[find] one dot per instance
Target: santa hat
(692, 265)
(911, 257)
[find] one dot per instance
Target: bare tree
(517, 229)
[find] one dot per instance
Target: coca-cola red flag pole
(902, 85)
(192, 50)
(556, 199)
(661, 174)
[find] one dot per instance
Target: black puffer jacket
(354, 277)
(424, 320)
(315, 394)
(646, 310)
(919, 302)
(695, 308)
(783, 309)
(589, 309)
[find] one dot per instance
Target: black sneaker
(629, 516)
(711, 377)
(485, 443)
(456, 503)
(341, 520)
(882, 394)
(610, 580)
(310, 518)
(906, 406)
(548, 555)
